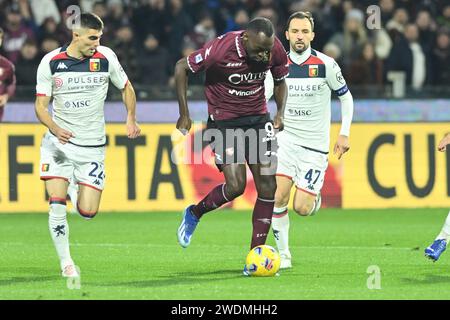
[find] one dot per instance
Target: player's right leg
(234, 186)
(56, 176)
(58, 226)
(280, 219)
(439, 245)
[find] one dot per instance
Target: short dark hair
(91, 21)
(261, 24)
(301, 15)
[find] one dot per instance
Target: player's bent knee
(303, 210)
(234, 190)
(88, 215)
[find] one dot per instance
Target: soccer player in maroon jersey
(236, 64)
(7, 80)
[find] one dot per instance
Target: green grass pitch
(136, 256)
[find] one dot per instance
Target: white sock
(72, 190)
(59, 231)
(316, 205)
(280, 228)
(445, 232)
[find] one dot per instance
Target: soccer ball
(263, 261)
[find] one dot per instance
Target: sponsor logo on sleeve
(198, 58)
(340, 78)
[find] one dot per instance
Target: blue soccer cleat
(435, 250)
(187, 227)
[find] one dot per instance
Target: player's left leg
(263, 209)
(439, 245)
(89, 175)
(88, 201)
(306, 203)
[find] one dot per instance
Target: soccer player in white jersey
(77, 77)
(439, 245)
(304, 143)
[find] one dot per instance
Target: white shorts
(305, 167)
(67, 161)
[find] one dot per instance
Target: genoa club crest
(94, 65)
(313, 70)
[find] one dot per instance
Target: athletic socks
(213, 200)
(262, 218)
(445, 232)
(280, 228)
(59, 230)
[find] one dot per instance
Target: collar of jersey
(300, 58)
(239, 45)
(64, 50)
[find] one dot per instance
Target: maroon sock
(213, 200)
(262, 219)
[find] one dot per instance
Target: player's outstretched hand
(278, 122)
(62, 135)
(133, 130)
(184, 124)
(341, 146)
(444, 142)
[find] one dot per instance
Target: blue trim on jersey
(313, 52)
(74, 65)
(303, 71)
(341, 91)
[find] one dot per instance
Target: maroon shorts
(249, 139)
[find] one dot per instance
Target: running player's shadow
(29, 279)
(428, 279)
(179, 278)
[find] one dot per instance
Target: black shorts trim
(315, 150)
(79, 145)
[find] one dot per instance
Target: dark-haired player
(304, 143)
(77, 77)
(236, 64)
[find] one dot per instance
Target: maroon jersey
(7, 77)
(234, 87)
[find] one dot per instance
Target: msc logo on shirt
(94, 65)
(299, 112)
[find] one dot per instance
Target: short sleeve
(268, 86)
(117, 75)
(335, 80)
(280, 65)
(203, 58)
(44, 78)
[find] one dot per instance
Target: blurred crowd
(149, 36)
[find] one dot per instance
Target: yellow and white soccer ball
(263, 261)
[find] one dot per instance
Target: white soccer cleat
(285, 260)
(70, 271)
(72, 191)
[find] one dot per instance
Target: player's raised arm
(129, 99)
(181, 82)
(280, 92)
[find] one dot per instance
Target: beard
(300, 50)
